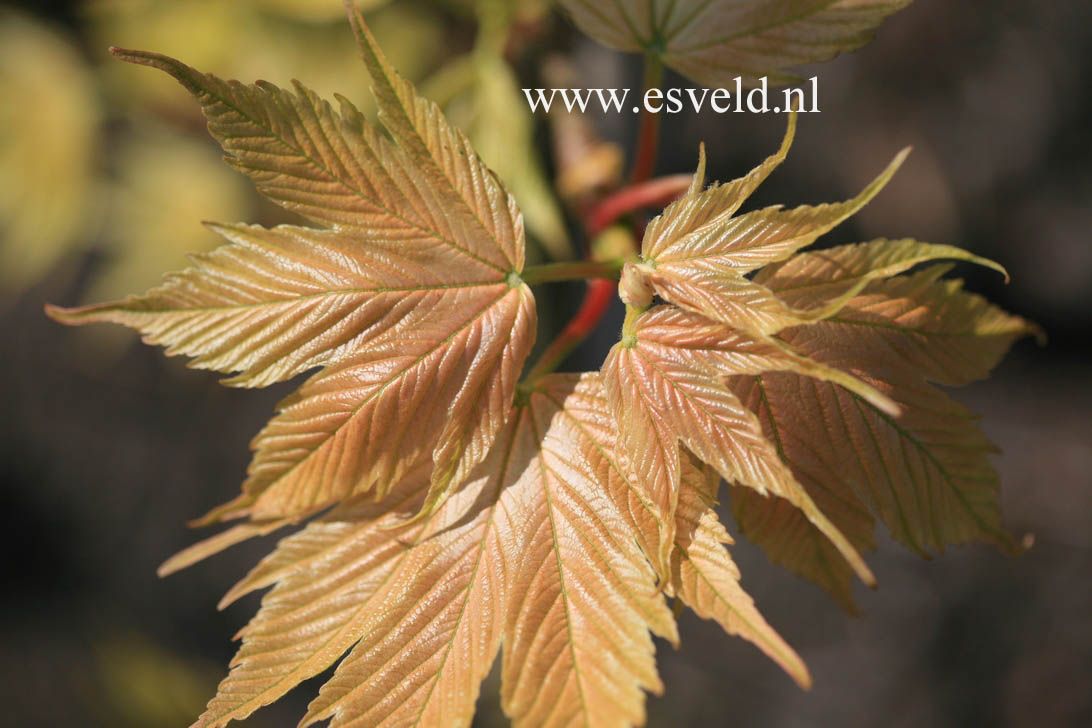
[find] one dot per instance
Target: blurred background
(107, 447)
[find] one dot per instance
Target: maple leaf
(698, 252)
(715, 41)
(926, 474)
(704, 576)
(665, 385)
(409, 297)
(675, 378)
(532, 552)
(551, 521)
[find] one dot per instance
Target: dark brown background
(101, 461)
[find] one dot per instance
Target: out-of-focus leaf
(714, 41)
(587, 165)
(166, 184)
(503, 132)
(138, 683)
(245, 40)
(481, 95)
(49, 134)
(316, 10)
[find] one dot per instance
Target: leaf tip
(224, 230)
(233, 594)
(699, 174)
(1036, 331)
(236, 508)
(992, 265)
(78, 315)
(790, 135)
(892, 168)
(888, 405)
(1014, 547)
(123, 53)
(182, 73)
(364, 39)
(142, 58)
(174, 564)
(863, 572)
(60, 314)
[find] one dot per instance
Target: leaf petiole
(571, 271)
(597, 300)
(653, 193)
(648, 136)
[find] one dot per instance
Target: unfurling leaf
(410, 296)
(714, 41)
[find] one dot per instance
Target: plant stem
(570, 271)
(648, 136)
(598, 298)
(601, 291)
(650, 193)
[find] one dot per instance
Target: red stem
(648, 143)
(597, 300)
(640, 193)
(651, 193)
(601, 291)
(648, 135)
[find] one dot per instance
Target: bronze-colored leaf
(531, 549)
(697, 253)
(458, 513)
(714, 41)
(926, 473)
(328, 578)
(577, 647)
(704, 576)
(429, 639)
(410, 297)
(664, 381)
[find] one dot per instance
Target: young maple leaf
(926, 473)
(408, 297)
(533, 551)
(716, 41)
(665, 385)
(552, 525)
(698, 253)
(722, 373)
